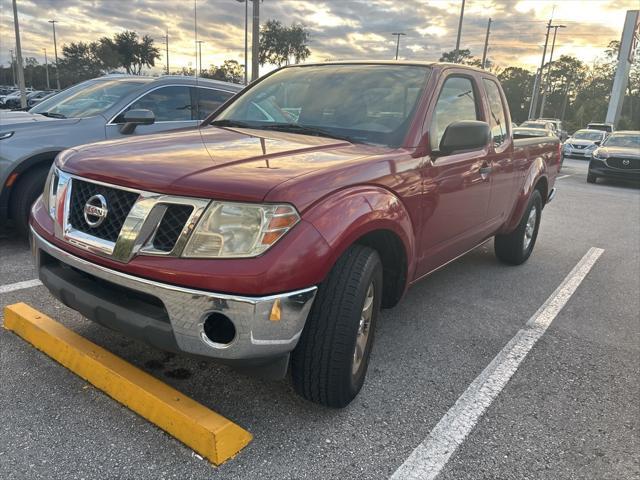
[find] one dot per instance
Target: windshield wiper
(309, 130)
(52, 114)
(230, 123)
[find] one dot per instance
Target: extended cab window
(457, 101)
(496, 108)
(207, 101)
(168, 104)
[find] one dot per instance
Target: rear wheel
(516, 247)
(25, 192)
(591, 178)
(330, 361)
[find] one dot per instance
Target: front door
(457, 187)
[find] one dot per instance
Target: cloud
(339, 29)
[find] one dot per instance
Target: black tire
(510, 248)
(25, 192)
(591, 178)
(323, 360)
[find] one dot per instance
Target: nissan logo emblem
(95, 210)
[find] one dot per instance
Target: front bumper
(171, 317)
(600, 169)
(577, 153)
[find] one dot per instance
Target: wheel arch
(374, 217)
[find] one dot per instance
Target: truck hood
(10, 120)
(223, 163)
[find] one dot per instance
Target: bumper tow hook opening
(218, 328)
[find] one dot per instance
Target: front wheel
(330, 362)
(516, 247)
(591, 178)
(25, 192)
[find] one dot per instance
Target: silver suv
(100, 109)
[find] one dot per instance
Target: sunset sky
(356, 29)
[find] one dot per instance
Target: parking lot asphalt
(571, 410)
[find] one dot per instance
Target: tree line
(576, 92)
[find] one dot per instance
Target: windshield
(626, 140)
(359, 103)
(86, 99)
(599, 126)
(587, 135)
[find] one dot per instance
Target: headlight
(593, 146)
(229, 229)
(50, 191)
(4, 135)
(598, 155)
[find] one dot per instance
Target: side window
(207, 101)
(457, 101)
(168, 104)
(498, 120)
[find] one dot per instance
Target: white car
(582, 143)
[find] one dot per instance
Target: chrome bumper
(256, 335)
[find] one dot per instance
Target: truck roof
(421, 63)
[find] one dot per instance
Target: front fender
(537, 171)
(347, 215)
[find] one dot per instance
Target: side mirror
(598, 142)
(465, 135)
(133, 118)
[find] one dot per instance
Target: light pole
(55, 51)
(460, 28)
(246, 38)
(200, 42)
(255, 41)
(398, 35)
(166, 41)
(13, 68)
(486, 44)
(533, 106)
(546, 84)
(16, 25)
(46, 68)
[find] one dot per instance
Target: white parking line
(19, 285)
(562, 176)
(430, 457)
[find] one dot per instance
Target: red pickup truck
(271, 236)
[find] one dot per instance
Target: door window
(496, 108)
(207, 101)
(168, 104)
(457, 101)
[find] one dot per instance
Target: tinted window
(207, 101)
(623, 140)
(457, 101)
(168, 104)
(365, 103)
(496, 109)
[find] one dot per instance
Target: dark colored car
(272, 235)
(618, 157)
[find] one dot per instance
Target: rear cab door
(457, 187)
(500, 157)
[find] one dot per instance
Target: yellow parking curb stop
(201, 429)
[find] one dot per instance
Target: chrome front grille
(120, 203)
(136, 221)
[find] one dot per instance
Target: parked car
(37, 97)
(103, 108)
(618, 157)
(10, 99)
(308, 201)
(523, 132)
(540, 124)
(557, 126)
(605, 127)
(582, 143)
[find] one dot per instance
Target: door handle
(485, 170)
